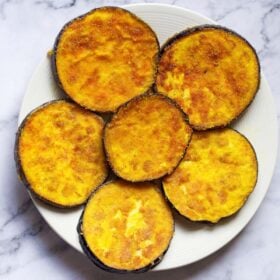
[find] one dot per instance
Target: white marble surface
(29, 249)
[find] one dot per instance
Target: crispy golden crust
(127, 235)
(211, 72)
(105, 58)
(146, 138)
(60, 153)
(215, 178)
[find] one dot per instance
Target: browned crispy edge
(143, 96)
(56, 45)
(92, 257)
(199, 28)
(17, 159)
(225, 217)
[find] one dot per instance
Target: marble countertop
(28, 247)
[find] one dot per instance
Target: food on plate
(59, 153)
(126, 227)
(146, 138)
(105, 58)
(167, 112)
(215, 178)
(211, 72)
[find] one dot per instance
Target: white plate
(191, 241)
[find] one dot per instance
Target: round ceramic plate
(192, 241)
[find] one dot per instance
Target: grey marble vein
(243, 6)
(4, 4)
(274, 10)
(22, 208)
(10, 246)
(57, 4)
(4, 123)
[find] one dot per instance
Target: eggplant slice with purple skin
(211, 72)
(104, 58)
(59, 153)
(126, 227)
(146, 138)
(215, 178)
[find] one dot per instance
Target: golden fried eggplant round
(146, 138)
(105, 58)
(211, 72)
(59, 153)
(215, 178)
(126, 227)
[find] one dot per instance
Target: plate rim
(263, 81)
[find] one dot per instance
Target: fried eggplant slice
(146, 138)
(105, 58)
(59, 153)
(215, 178)
(211, 72)
(126, 227)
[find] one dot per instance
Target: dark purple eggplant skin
(93, 258)
(19, 169)
(195, 29)
(57, 40)
(101, 265)
(142, 96)
(223, 218)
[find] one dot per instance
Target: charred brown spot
(215, 178)
(211, 72)
(146, 138)
(61, 158)
(105, 58)
(131, 238)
